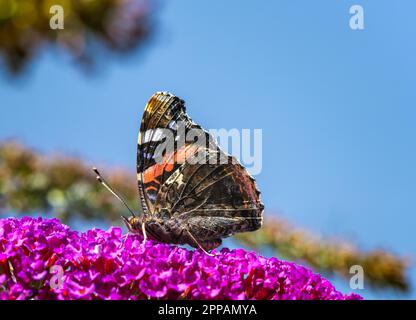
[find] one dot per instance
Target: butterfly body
(194, 193)
(173, 231)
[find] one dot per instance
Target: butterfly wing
(213, 196)
(162, 113)
(212, 200)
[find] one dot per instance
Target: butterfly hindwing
(213, 201)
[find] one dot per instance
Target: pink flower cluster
(43, 259)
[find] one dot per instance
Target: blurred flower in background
(90, 27)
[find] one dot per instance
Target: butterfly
(191, 192)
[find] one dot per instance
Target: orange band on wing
(180, 156)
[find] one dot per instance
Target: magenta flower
(43, 259)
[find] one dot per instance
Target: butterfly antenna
(109, 188)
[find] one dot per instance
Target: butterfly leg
(198, 244)
(144, 234)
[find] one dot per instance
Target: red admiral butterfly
(188, 194)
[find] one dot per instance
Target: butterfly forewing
(161, 111)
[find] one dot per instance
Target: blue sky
(336, 106)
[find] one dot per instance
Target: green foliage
(65, 186)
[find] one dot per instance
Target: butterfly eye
(135, 222)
